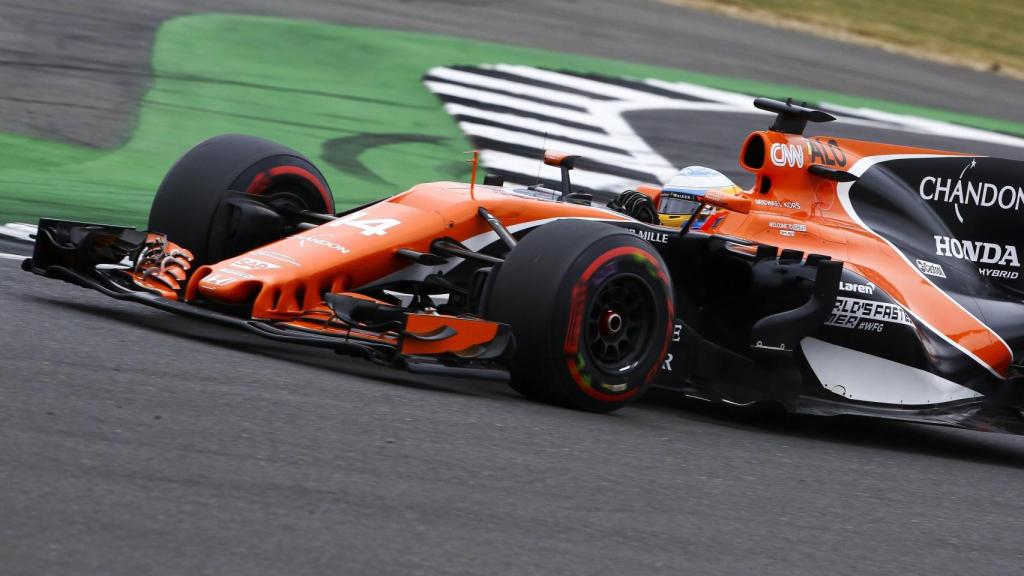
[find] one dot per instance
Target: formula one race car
(853, 278)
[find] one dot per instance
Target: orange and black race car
(853, 278)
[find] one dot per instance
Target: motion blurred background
(99, 98)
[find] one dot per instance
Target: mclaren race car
(853, 278)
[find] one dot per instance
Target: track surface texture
(134, 442)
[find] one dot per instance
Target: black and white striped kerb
(512, 113)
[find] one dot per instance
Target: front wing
(130, 265)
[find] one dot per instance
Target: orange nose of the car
(288, 276)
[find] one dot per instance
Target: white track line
(528, 167)
(586, 84)
(16, 235)
(515, 88)
(456, 91)
(18, 231)
(550, 128)
(740, 101)
(929, 126)
(6, 256)
(540, 142)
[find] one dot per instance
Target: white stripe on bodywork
(843, 191)
(480, 241)
(417, 272)
(859, 376)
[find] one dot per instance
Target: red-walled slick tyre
(191, 206)
(591, 309)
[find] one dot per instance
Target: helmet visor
(676, 206)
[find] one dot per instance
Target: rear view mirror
(559, 159)
(565, 163)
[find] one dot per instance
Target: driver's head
(681, 195)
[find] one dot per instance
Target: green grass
(215, 74)
(982, 31)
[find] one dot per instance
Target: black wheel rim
(289, 202)
(619, 323)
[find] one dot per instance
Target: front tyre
(193, 205)
(591, 309)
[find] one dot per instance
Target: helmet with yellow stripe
(682, 194)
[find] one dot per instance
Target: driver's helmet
(682, 194)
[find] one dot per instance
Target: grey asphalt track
(135, 442)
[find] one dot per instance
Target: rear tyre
(191, 206)
(591, 309)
